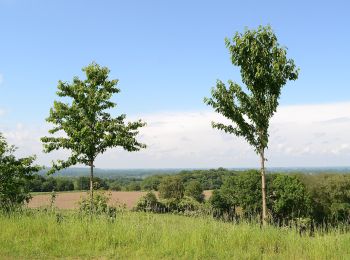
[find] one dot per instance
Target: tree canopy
(265, 69)
(89, 128)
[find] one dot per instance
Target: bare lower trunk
(263, 189)
(91, 186)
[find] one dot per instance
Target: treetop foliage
(89, 128)
(265, 69)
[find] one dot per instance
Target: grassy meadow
(134, 235)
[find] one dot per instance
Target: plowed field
(69, 200)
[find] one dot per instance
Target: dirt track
(69, 200)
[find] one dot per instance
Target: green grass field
(151, 236)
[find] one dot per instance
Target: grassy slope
(149, 236)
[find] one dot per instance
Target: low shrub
(149, 203)
(99, 205)
(188, 204)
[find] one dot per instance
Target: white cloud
(308, 135)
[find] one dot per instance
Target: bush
(244, 191)
(194, 190)
(171, 205)
(221, 206)
(149, 203)
(14, 176)
(99, 206)
(171, 187)
(289, 198)
(188, 204)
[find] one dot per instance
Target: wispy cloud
(309, 135)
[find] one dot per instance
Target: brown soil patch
(69, 200)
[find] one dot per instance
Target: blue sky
(166, 54)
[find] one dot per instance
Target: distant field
(69, 200)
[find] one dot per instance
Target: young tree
(14, 176)
(89, 129)
(265, 69)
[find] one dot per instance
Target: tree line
(208, 179)
(38, 183)
(321, 199)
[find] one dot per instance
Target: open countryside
(174, 129)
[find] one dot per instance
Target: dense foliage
(330, 196)
(288, 196)
(40, 183)
(319, 198)
(209, 179)
(171, 187)
(194, 190)
(14, 174)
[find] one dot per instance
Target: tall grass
(149, 236)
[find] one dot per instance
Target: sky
(167, 56)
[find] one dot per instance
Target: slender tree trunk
(91, 186)
(263, 188)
